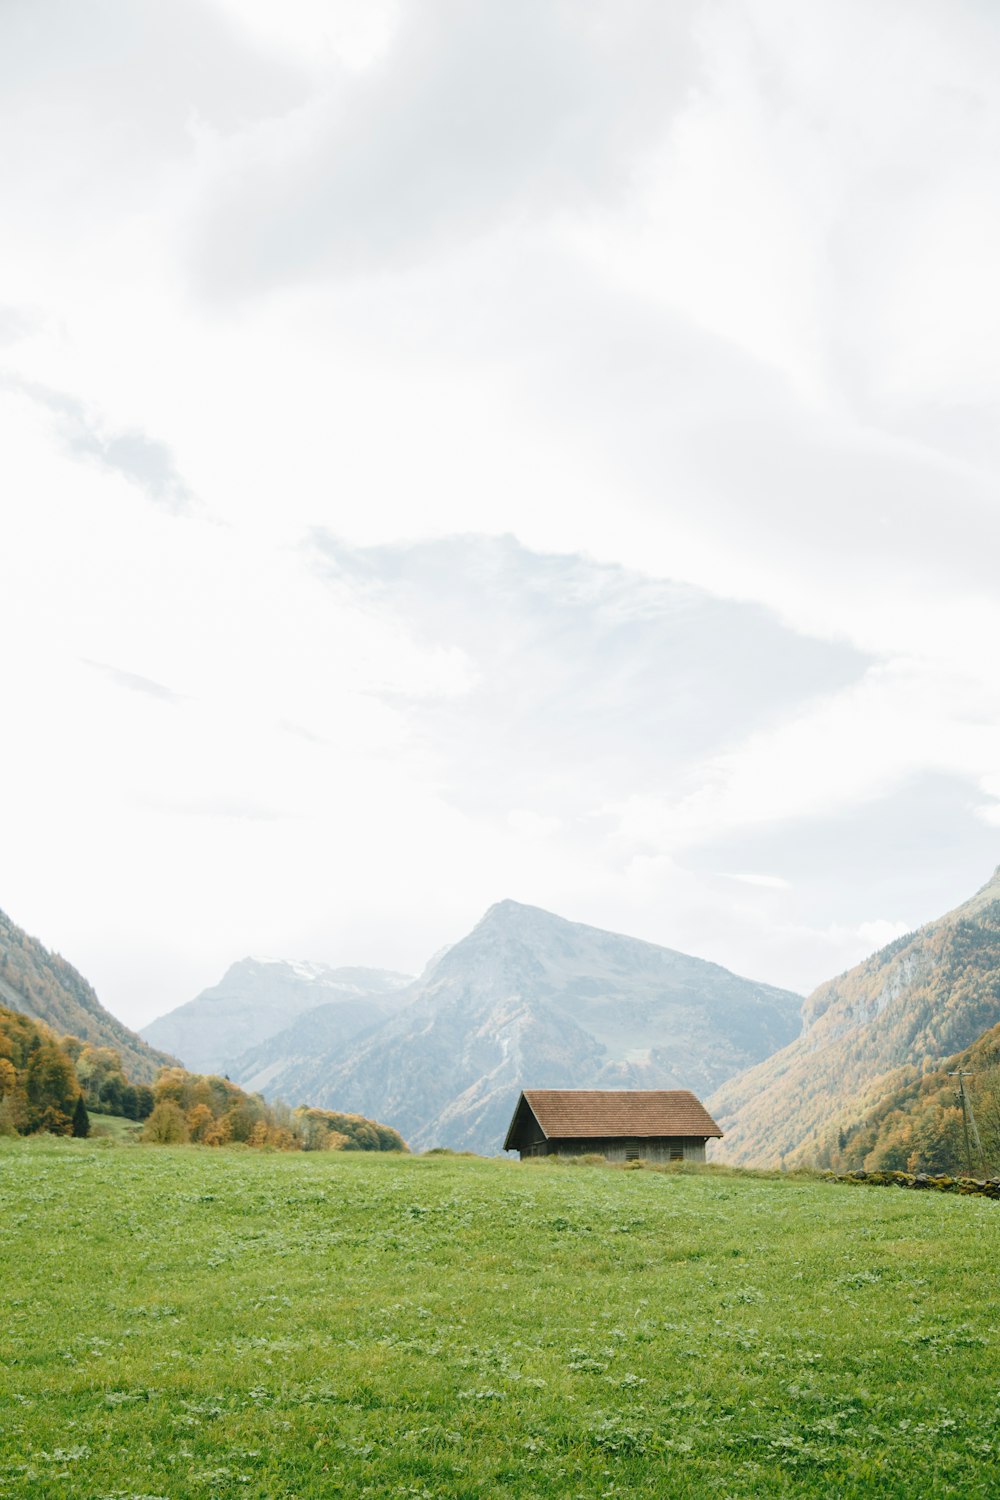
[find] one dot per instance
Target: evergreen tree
(145, 1101)
(81, 1119)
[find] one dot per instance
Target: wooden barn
(619, 1124)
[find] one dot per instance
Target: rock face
(529, 999)
(274, 1066)
(258, 997)
(919, 1000)
(44, 986)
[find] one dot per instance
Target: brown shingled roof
(581, 1113)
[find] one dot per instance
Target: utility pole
(968, 1121)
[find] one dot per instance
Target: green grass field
(114, 1126)
(196, 1323)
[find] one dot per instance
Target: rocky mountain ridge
(257, 998)
(528, 998)
(917, 1001)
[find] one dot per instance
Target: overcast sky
(459, 450)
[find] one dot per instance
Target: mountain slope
(915, 1002)
(258, 997)
(276, 1062)
(912, 1121)
(44, 986)
(529, 999)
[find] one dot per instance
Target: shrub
(166, 1126)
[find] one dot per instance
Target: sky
(459, 450)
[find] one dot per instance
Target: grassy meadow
(183, 1322)
(114, 1127)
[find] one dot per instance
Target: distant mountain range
(258, 997)
(527, 999)
(913, 1004)
(858, 1073)
(42, 985)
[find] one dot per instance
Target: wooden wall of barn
(657, 1149)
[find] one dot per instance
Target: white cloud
(686, 299)
(473, 116)
(880, 932)
(848, 748)
(531, 826)
(766, 882)
(319, 34)
(132, 454)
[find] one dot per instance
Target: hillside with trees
(57, 1085)
(39, 1089)
(920, 1000)
(213, 1111)
(44, 986)
(914, 1121)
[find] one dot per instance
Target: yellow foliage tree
(218, 1133)
(200, 1120)
(166, 1126)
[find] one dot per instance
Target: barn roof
(579, 1114)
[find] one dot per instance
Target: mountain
(44, 986)
(916, 1002)
(258, 997)
(529, 999)
(278, 1061)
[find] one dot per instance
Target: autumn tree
(241, 1118)
(199, 1119)
(54, 1121)
(166, 1126)
(218, 1133)
(8, 1077)
(94, 1066)
(50, 1085)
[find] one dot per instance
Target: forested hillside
(39, 1088)
(53, 1085)
(913, 1004)
(213, 1111)
(44, 986)
(913, 1121)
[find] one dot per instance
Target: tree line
(55, 1084)
(215, 1111)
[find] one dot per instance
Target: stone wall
(983, 1187)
